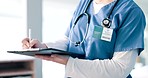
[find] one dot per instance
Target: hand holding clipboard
(50, 54)
(46, 51)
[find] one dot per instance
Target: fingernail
(52, 56)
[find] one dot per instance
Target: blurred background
(41, 16)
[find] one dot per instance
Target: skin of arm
(121, 63)
(118, 67)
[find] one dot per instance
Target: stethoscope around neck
(106, 22)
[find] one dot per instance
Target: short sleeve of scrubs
(130, 34)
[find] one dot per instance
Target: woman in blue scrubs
(110, 33)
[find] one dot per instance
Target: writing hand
(32, 43)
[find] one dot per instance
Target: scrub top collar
(107, 9)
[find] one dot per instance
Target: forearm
(118, 67)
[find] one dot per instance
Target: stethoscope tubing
(87, 27)
(77, 43)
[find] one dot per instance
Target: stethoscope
(106, 22)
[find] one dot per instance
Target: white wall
(56, 18)
(12, 24)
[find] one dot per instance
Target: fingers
(55, 58)
(24, 46)
(29, 43)
(45, 57)
(25, 40)
(34, 43)
(25, 43)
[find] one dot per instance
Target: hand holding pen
(28, 43)
(32, 43)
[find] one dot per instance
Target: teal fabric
(128, 24)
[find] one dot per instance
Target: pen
(29, 36)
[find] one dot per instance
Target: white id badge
(107, 34)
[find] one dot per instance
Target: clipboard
(47, 52)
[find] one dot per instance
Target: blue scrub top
(128, 24)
